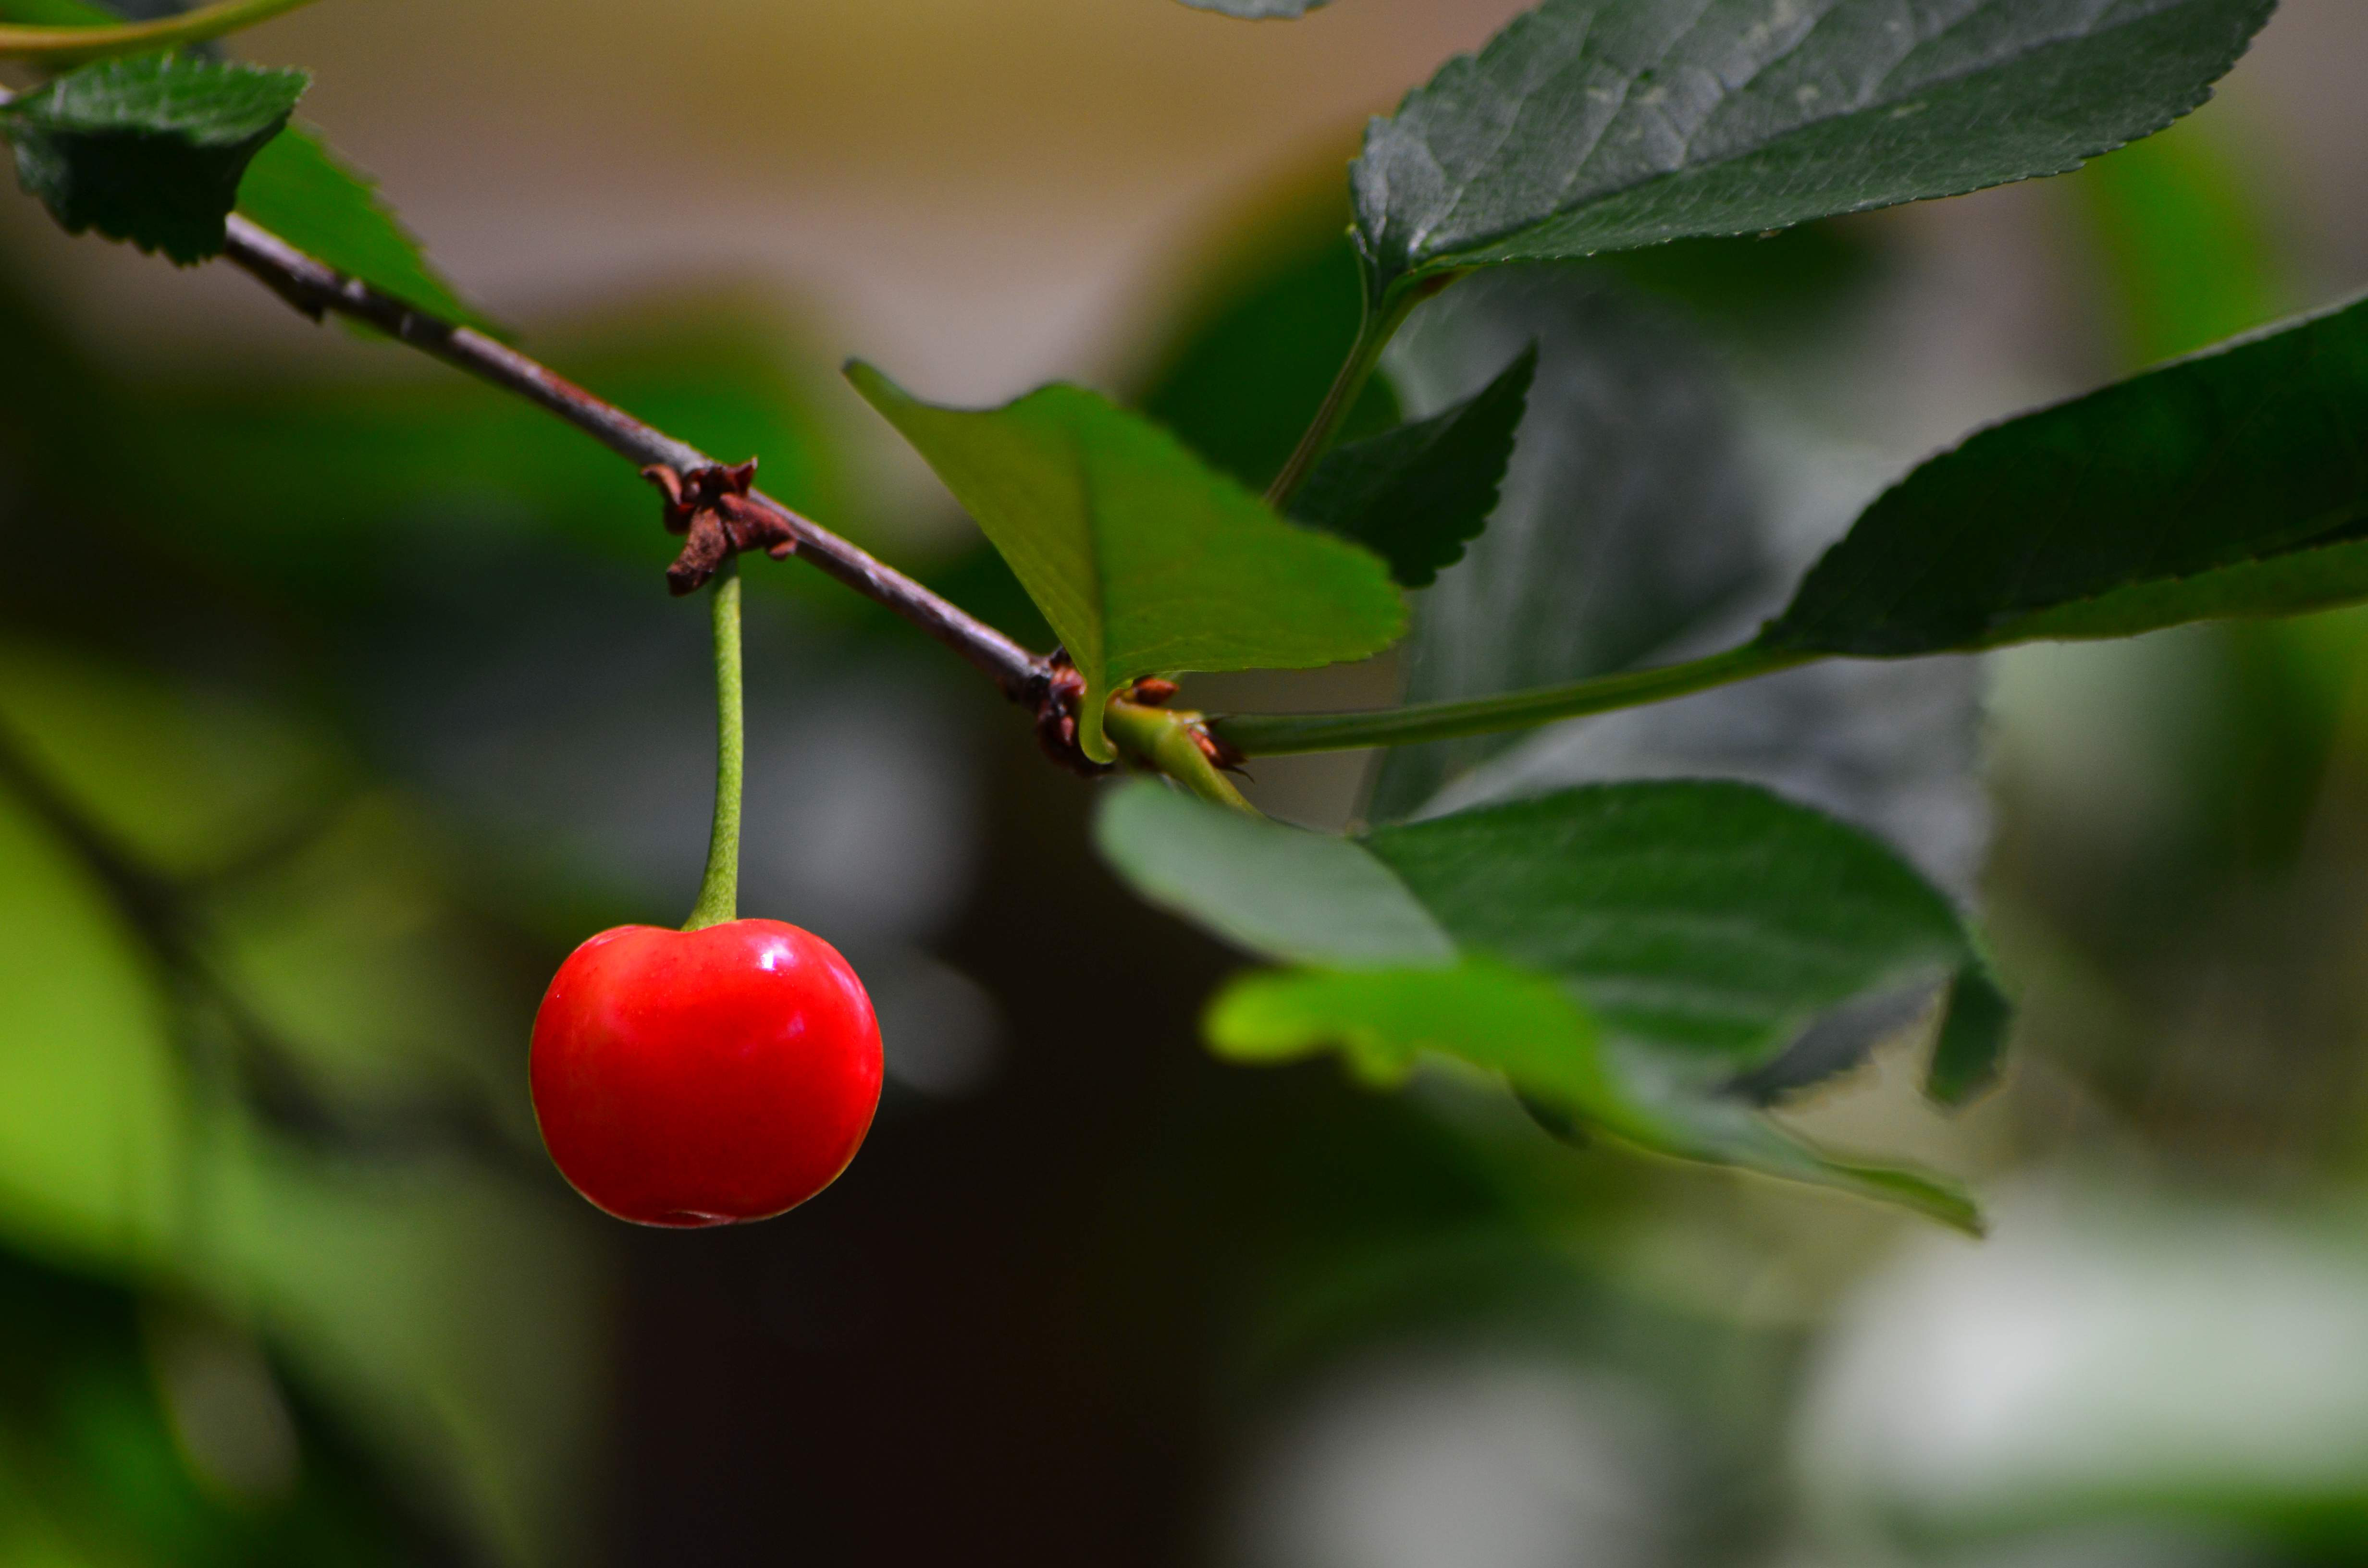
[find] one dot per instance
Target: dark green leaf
(1596, 125)
(1623, 954)
(150, 149)
(1965, 1057)
(1418, 494)
(1711, 921)
(308, 196)
(2234, 482)
(1143, 560)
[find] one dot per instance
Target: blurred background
(339, 697)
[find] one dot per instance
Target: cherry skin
(703, 1077)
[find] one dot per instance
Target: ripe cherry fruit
(704, 1077)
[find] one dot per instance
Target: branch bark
(317, 290)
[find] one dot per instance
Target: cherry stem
(719, 890)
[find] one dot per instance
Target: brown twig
(317, 289)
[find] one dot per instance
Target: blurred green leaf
(186, 781)
(1480, 1011)
(95, 1132)
(56, 14)
(447, 1311)
(1143, 559)
(1417, 494)
(1973, 1036)
(2184, 235)
(142, 1434)
(149, 149)
(2234, 482)
(1511, 1021)
(1595, 125)
(325, 206)
(1623, 953)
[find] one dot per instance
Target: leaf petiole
(1273, 734)
(69, 46)
(1167, 741)
(1374, 330)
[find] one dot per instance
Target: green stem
(66, 46)
(1373, 334)
(719, 890)
(1163, 740)
(1270, 734)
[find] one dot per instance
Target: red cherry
(702, 1077)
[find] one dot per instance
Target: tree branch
(318, 289)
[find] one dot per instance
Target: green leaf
(1142, 559)
(1624, 954)
(1711, 921)
(1489, 1014)
(1306, 897)
(2187, 241)
(150, 149)
(325, 206)
(1972, 1035)
(1418, 494)
(2234, 482)
(1507, 1020)
(1597, 125)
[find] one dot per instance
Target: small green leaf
(1143, 559)
(149, 149)
(1418, 494)
(1596, 125)
(1306, 897)
(1724, 1131)
(325, 206)
(1482, 1012)
(2234, 482)
(1509, 1021)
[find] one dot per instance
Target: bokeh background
(339, 697)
